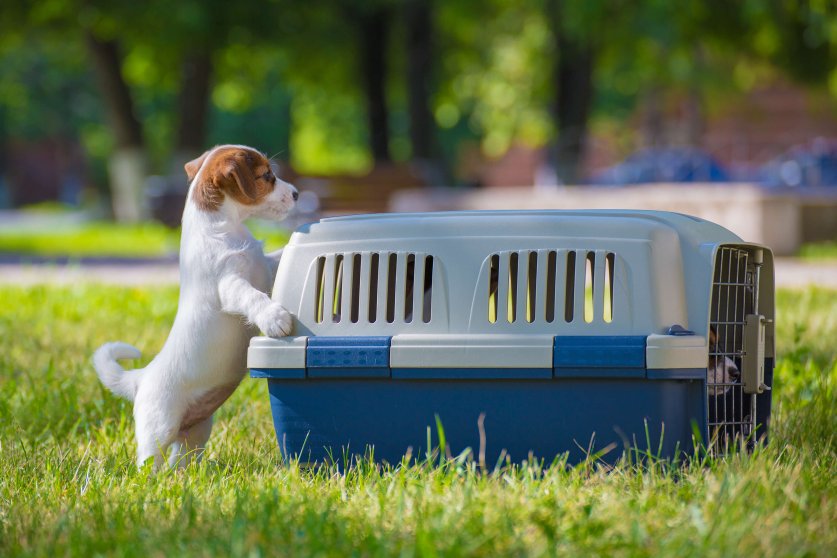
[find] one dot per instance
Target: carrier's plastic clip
(679, 330)
(753, 357)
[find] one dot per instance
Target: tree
(128, 166)
(373, 24)
(418, 18)
(573, 92)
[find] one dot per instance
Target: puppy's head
(242, 176)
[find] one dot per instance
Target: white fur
(224, 278)
(720, 375)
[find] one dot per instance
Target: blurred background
(721, 109)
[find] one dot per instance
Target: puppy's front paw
(274, 320)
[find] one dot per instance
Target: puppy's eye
(268, 176)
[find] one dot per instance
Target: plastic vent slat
(400, 286)
(541, 287)
(363, 292)
(503, 288)
(418, 286)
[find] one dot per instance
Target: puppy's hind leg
(155, 432)
(190, 444)
(152, 446)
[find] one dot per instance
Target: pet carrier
(523, 333)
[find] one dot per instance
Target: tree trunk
(419, 70)
(574, 92)
(193, 103)
(573, 83)
(373, 29)
(127, 167)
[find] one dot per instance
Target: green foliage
(819, 251)
(498, 86)
(286, 74)
(112, 239)
(68, 485)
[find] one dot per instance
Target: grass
(68, 485)
(818, 251)
(106, 239)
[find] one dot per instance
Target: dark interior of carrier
(734, 416)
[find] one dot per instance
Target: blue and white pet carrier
(526, 333)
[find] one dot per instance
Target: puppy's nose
(295, 194)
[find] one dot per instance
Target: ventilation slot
(373, 288)
(427, 306)
(338, 289)
(391, 276)
(355, 287)
(493, 282)
(589, 279)
(511, 306)
(537, 286)
(409, 288)
(569, 296)
(531, 286)
(319, 298)
(607, 311)
(732, 413)
(551, 263)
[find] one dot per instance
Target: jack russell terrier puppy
(224, 276)
(722, 371)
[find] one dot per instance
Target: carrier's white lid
(602, 272)
(574, 223)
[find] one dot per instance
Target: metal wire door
(734, 295)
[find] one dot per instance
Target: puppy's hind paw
(275, 321)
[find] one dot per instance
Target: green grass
(68, 485)
(103, 239)
(819, 251)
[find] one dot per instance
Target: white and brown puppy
(722, 371)
(224, 276)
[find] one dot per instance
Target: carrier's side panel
(521, 418)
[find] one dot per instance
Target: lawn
(68, 485)
(818, 251)
(107, 239)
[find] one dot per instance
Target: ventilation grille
(374, 287)
(731, 411)
(537, 286)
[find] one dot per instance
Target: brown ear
(192, 167)
(239, 180)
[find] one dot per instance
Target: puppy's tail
(120, 381)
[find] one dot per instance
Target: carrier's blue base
(324, 419)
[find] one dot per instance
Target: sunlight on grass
(68, 485)
(819, 251)
(102, 239)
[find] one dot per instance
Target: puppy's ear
(239, 180)
(192, 167)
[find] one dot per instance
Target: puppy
(224, 276)
(722, 370)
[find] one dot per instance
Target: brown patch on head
(241, 173)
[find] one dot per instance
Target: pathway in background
(66, 274)
(790, 272)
